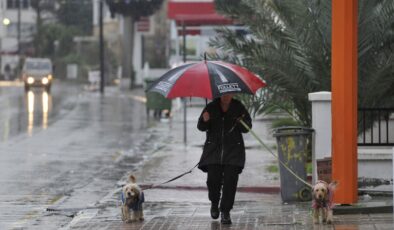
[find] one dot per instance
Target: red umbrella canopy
(207, 79)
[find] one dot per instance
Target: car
(37, 72)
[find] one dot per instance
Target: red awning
(195, 13)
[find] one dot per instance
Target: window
(25, 4)
(38, 65)
(14, 4)
(10, 4)
(27, 29)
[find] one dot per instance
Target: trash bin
(156, 101)
(293, 151)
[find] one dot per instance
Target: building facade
(16, 29)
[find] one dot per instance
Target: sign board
(144, 25)
(94, 76)
(72, 71)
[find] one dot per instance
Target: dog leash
(175, 178)
(276, 156)
(259, 140)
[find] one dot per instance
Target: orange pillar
(344, 99)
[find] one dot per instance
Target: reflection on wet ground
(63, 148)
(28, 112)
(38, 106)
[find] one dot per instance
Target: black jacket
(224, 143)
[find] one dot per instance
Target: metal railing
(376, 126)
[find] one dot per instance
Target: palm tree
(288, 42)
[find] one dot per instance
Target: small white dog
(132, 199)
(322, 194)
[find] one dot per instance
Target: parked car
(37, 72)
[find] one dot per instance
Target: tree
(131, 10)
(77, 14)
(72, 15)
(289, 44)
(40, 6)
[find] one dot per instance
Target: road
(65, 149)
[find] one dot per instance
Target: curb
(342, 210)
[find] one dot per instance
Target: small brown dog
(132, 199)
(322, 194)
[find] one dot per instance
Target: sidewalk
(184, 204)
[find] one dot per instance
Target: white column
(137, 61)
(321, 123)
(95, 13)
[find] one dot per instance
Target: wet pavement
(64, 151)
(69, 175)
(183, 204)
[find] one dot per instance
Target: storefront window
(14, 4)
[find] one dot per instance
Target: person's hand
(240, 117)
(205, 116)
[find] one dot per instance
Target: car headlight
(44, 81)
(30, 80)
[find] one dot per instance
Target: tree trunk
(128, 49)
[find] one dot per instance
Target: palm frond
(289, 45)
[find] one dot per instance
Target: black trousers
(222, 178)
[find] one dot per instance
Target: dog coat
(327, 203)
(136, 206)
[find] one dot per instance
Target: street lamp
(19, 28)
(6, 21)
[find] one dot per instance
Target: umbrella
(206, 79)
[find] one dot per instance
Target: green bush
(272, 168)
(309, 167)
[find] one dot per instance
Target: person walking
(7, 72)
(223, 157)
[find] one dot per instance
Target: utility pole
(102, 79)
(184, 99)
(19, 27)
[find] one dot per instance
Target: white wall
(373, 161)
(321, 122)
